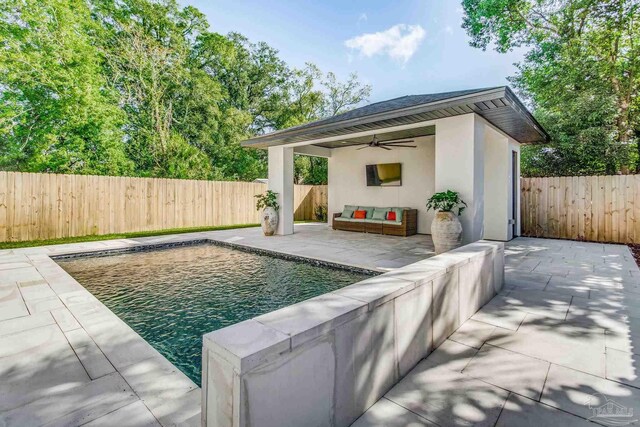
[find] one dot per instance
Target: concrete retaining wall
(325, 361)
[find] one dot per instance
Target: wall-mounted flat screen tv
(384, 175)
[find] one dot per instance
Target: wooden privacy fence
(48, 206)
(592, 208)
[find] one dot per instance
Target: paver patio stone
(44, 304)
(65, 319)
(499, 312)
(12, 306)
(523, 412)
(473, 333)
(558, 342)
(389, 414)
(35, 363)
(134, 414)
(623, 367)
(451, 355)
(447, 397)
(574, 392)
(72, 406)
(157, 381)
(35, 290)
(25, 323)
(511, 371)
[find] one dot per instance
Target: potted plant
(268, 203)
(446, 230)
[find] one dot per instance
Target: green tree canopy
(581, 75)
(142, 87)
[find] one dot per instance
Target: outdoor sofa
(377, 220)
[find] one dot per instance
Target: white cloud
(399, 42)
(363, 18)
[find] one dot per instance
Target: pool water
(171, 297)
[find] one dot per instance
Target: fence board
(592, 208)
(48, 206)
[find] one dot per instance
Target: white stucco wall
(498, 185)
(459, 152)
(348, 184)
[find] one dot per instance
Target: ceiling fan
(383, 144)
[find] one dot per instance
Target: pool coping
(221, 243)
(166, 392)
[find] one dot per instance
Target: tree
(58, 112)
(581, 75)
(142, 87)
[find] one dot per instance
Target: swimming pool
(171, 297)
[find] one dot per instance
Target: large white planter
(446, 232)
(269, 221)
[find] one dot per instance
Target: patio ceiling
(498, 105)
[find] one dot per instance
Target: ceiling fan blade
(362, 148)
(397, 142)
(358, 143)
(402, 146)
(383, 147)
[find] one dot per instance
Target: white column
(497, 186)
(281, 182)
(460, 167)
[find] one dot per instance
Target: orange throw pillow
(360, 214)
(391, 216)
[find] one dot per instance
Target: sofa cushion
(347, 213)
(395, 223)
(380, 213)
(368, 209)
(391, 216)
(360, 214)
(373, 221)
(347, 219)
(351, 207)
(398, 212)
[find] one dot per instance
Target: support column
(281, 182)
(460, 167)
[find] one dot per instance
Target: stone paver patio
(565, 329)
(562, 337)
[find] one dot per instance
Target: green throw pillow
(347, 213)
(398, 212)
(369, 210)
(380, 214)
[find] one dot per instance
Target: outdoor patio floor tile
(451, 355)
(473, 333)
(511, 371)
(35, 290)
(572, 345)
(448, 398)
(157, 381)
(73, 406)
(65, 319)
(498, 312)
(386, 413)
(623, 367)
(35, 363)
(44, 304)
(523, 412)
(577, 392)
(25, 323)
(133, 414)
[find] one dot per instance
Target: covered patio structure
(466, 141)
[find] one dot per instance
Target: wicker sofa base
(408, 226)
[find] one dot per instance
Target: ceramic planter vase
(269, 221)
(446, 232)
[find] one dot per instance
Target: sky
(400, 47)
